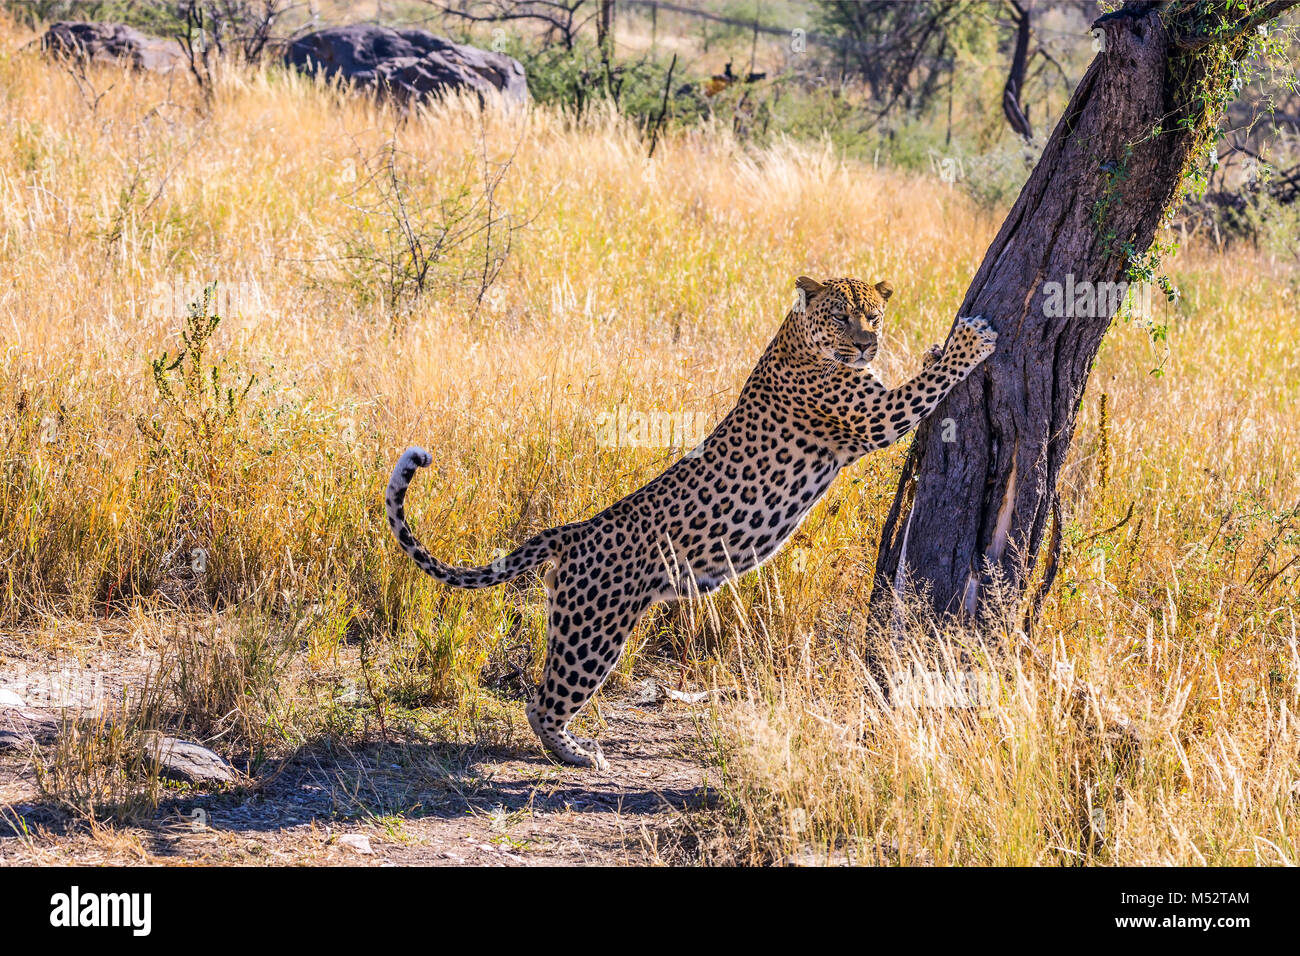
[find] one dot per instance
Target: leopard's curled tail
(537, 550)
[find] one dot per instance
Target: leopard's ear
(809, 287)
(885, 290)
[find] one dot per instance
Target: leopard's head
(841, 318)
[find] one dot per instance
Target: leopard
(811, 407)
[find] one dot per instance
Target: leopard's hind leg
(588, 620)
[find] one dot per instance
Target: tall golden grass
(653, 286)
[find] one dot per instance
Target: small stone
(357, 843)
(13, 740)
(9, 699)
(688, 697)
(647, 692)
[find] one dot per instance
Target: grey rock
(407, 65)
(24, 729)
(187, 761)
(357, 843)
(16, 740)
(112, 42)
(687, 697)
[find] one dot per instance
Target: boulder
(407, 64)
(112, 42)
(187, 761)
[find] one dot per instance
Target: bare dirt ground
(381, 804)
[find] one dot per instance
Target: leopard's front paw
(932, 355)
(974, 339)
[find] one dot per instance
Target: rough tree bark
(980, 506)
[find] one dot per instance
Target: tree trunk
(604, 25)
(979, 489)
(1012, 107)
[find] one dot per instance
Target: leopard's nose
(861, 336)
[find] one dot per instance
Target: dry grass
(652, 286)
(100, 768)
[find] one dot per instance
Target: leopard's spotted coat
(809, 409)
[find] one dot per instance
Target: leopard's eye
(840, 318)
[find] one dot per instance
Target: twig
(1115, 527)
(1261, 16)
(663, 109)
